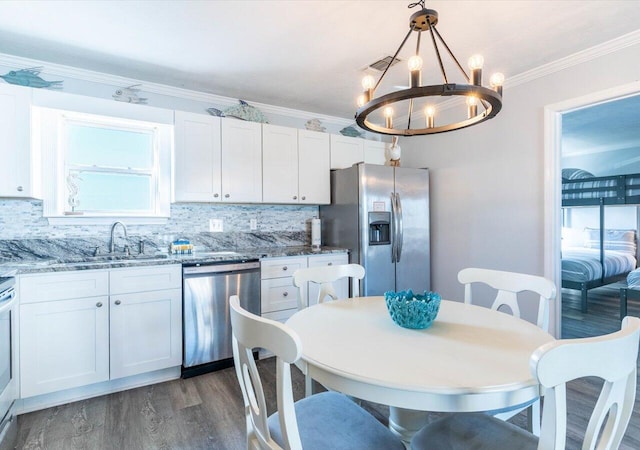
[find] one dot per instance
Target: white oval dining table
(470, 359)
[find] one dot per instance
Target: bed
(601, 256)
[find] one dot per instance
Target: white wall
(487, 181)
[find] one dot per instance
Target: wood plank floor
(205, 412)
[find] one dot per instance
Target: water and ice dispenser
(379, 228)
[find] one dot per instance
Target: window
(101, 166)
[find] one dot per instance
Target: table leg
(404, 423)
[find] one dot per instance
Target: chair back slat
(509, 285)
(250, 332)
(613, 358)
(325, 276)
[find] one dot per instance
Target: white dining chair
(323, 421)
(612, 357)
(508, 286)
(325, 276)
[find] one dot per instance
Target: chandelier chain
(418, 3)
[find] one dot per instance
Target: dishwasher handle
(220, 268)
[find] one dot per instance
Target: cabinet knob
(117, 302)
(285, 268)
(304, 197)
(99, 304)
(295, 197)
(226, 195)
(19, 188)
(330, 264)
(285, 293)
(216, 195)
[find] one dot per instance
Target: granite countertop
(108, 261)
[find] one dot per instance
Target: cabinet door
(341, 286)
(197, 176)
(346, 151)
(241, 161)
(15, 151)
(374, 152)
(146, 332)
(314, 151)
(63, 344)
(279, 164)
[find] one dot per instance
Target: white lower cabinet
(63, 344)
(146, 332)
(69, 340)
(279, 296)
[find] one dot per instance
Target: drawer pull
(330, 264)
(215, 195)
(99, 304)
(117, 302)
(285, 293)
(285, 268)
(19, 188)
(226, 196)
(295, 197)
(304, 198)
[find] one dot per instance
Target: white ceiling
(304, 54)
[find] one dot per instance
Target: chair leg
(533, 418)
(308, 386)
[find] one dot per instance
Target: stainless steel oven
(8, 362)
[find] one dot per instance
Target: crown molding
(580, 57)
(162, 89)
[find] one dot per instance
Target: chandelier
(482, 103)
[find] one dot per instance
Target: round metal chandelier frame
(490, 99)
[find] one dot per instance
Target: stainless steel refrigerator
(381, 214)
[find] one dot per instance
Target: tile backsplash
(276, 225)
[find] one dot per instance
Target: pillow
(575, 174)
(619, 240)
(572, 237)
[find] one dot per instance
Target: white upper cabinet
(295, 165)
(197, 157)
(346, 151)
(314, 167)
(374, 152)
(15, 151)
(241, 161)
(279, 164)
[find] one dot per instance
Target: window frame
(49, 134)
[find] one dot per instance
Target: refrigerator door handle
(394, 227)
(399, 231)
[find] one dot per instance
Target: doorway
(572, 112)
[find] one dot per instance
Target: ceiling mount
(482, 103)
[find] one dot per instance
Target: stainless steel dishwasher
(207, 324)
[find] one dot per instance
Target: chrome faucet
(112, 244)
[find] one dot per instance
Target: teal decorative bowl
(409, 310)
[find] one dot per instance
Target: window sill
(128, 220)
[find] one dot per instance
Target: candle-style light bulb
(388, 115)
(472, 106)
(415, 63)
(368, 82)
(496, 82)
(361, 101)
(429, 113)
(475, 64)
(415, 71)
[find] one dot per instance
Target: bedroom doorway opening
(591, 227)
